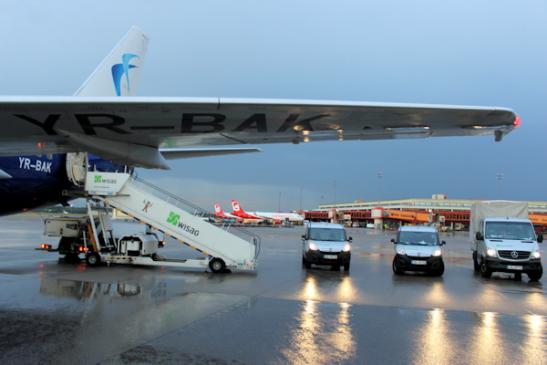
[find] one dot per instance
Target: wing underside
(130, 129)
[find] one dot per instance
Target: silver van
(326, 244)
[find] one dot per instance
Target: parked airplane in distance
(219, 213)
(239, 212)
(276, 217)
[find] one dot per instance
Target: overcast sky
(479, 52)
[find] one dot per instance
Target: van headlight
(347, 247)
(536, 255)
(491, 252)
(313, 247)
(400, 251)
(437, 253)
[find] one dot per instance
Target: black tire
(217, 265)
(304, 261)
(484, 270)
(439, 271)
(518, 276)
(476, 265)
(93, 259)
(396, 269)
(72, 258)
(307, 264)
(535, 275)
(346, 266)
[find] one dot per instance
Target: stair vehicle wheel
(217, 265)
(476, 265)
(71, 258)
(485, 271)
(93, 259)
(535, 275)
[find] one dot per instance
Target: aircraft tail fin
(118, 73)
(236, 207)
(218, 210)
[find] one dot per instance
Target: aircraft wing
(134, 130)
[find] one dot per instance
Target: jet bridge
(225, 247)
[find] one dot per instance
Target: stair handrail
(197, 211)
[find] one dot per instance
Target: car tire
(439, 271)
(93, 259)
(346, 266)
(396, 269)
(484, 270)
(217, 265)
(476, 265)
(535, 275)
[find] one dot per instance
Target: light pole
(301, 198)
(499, 178)
(334, 192)
(380, 176)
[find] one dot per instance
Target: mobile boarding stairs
(225, 247)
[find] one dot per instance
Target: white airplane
(276, 217)
(39, 135)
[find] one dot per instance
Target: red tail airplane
(238, 211)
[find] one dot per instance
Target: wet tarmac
(56, 313)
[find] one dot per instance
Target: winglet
(118, 74)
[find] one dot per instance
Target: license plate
(418, 262)
(514, 267)
(330, 257)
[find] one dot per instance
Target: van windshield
(327, 234)
(418, 238)
(509, 231)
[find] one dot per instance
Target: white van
(418, 248)
(503, 240)
(326, 244)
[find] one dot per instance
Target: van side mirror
(479, 236)
(303, 236)
(443, 243)
(540, 237)
(393, 240)
(350, 239)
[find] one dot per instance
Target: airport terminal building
(450, 213)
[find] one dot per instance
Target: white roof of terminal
(446, 204)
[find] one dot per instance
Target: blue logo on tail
(120, 69)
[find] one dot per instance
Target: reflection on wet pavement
(321, 339)
(433, 342)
